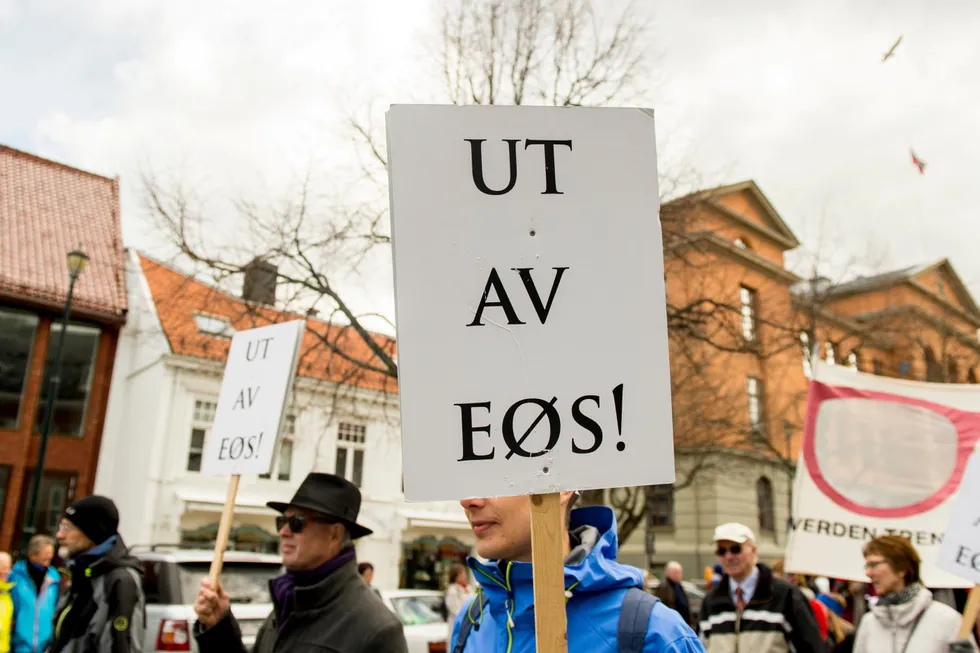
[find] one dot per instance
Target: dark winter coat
(777, 619)
(104, 611)
(340, 614)
(674, 597)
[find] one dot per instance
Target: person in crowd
(366, 571)
(35, 594)
(672, 593)
(840, 637)
(855, 592)
(458, 591)
(599, 590)
(6, 602)
(104, 610)
(799, 580)
(320, 603)
(905, 617)
(717, 573)
(751, 609)
(821, 585)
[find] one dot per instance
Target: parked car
(422, 613)
(695, 595)
(172, 578)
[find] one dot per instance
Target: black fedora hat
(332, 496)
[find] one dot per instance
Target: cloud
(246, 95)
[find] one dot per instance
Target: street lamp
(77, 260)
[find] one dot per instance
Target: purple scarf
(284, 586)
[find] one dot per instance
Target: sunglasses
(735, 549)
(297, 523)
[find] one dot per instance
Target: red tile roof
(328, 349)
(48, 209)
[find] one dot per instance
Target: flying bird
(919, 163)
(891, 51)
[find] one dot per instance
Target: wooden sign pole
(224, 529)
(548, 565)
(970, 613)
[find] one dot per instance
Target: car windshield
(416, 610)
(244, 582)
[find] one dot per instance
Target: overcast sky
(791, 94)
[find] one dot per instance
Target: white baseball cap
(734, 532)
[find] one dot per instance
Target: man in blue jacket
(35, 594)
(501, 615)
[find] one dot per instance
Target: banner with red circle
(879, 456)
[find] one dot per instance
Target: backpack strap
(634, 620)
(468, 623)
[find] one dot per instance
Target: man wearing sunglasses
(750, 609)
(320, 603)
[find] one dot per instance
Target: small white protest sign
(960, 551)
(529, 285)
(258, 376)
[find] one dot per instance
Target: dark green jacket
(340, 614)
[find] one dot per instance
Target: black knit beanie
(95, 516)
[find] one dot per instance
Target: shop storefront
(426, 561)
(431, 543)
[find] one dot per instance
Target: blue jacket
(33, 612)
(595, 586)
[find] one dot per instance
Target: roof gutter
(77, 310)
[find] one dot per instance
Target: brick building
(743, 327)
(46, 210)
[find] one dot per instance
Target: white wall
(136, 403)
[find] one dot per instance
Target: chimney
(260, 282)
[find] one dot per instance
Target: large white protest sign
(880, 456)
(960, 552)
(532, 336)
(258, 376)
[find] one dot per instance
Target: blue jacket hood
(598, 573)
(33, 612)
(595, 590)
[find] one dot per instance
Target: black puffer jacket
(340, 614)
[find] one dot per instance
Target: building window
(953, 372)
(829, 353)
(754, 388)
(660, 506)
(741, 243)
(77, 368)
(805, 347)
(767, 514)
(4, 484)
(747, 298)
(17, 330)
(203, 418)
(211, 325)
(934, 369)
(350, 452)
(852, 361)
(55, 492)
(282, 462)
